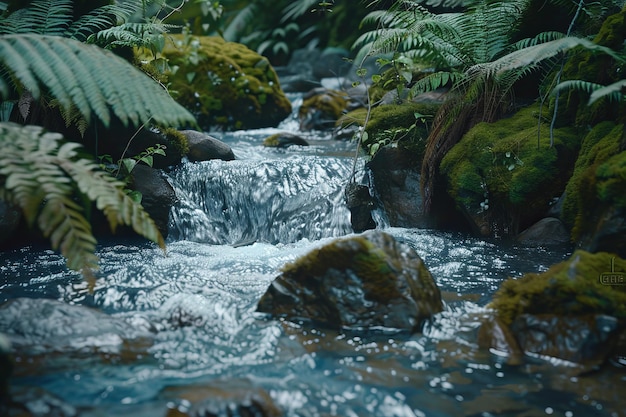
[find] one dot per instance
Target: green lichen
(572, 287)
(505, 165)
(581, 196)
(224, 84)
(611, 181)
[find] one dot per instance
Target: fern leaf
(43, 176)
(615, 91)
(102, 18)
(51, 17)
(531, 56)
(89, 78)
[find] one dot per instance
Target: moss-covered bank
(506, 174)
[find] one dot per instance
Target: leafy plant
(43, 58)
(43, 176)
(473, 52)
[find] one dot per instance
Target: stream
(161, 328)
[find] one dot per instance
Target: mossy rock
(581, 192)
(365, 281)
(284, 140)
(322, 108)
(405, 123)
(572, 287)
(507, 172)
(224, 84)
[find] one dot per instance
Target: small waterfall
(272, 199)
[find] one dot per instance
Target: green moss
(505, 164)
(177, 140)
(224, 84)
(598, 146)
(571, 287)
(331, 103)
(611, 181)
(392, 123)
(370, 263)
(272, 141)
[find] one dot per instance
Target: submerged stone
(362, 282)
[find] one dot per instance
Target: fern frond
(50, 17)
(244, 17)
(579, 85)
(615, 91)
(90, 78)
(140, 35)
(102, 18)
(531, 56)
(436, 80)
(42, 176)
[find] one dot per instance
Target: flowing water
(162, 327)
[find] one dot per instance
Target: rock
(594, 207)
(284, 140)
(397, 182)
(6, 369)
(41, 326)
(321, 108)
(362, 282)
(498, 338)
(157, 195)
(236, 398)
(572, 311)
(582, 339)
(10, 216)
(37, 402)
(547, 231)
(501, 178)
(224, 84)
(360, 203)
(332, 62)
(203, 147)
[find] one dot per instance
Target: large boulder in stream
(361, 282)
(574, 311)
(203, 147)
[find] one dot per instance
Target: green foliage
(41, 174)
(55, 17)
(87, 77)
(569, 288)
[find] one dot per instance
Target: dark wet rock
(284, 140)
(360, 203)
(233, 398)
(573, 311)
(497, 337)
(583, 339)
(6, 369)
(203, 147)
(10, 216)
(42, 326)
(397, 182)
(547, 231)
(366, 281)
(157, 195)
